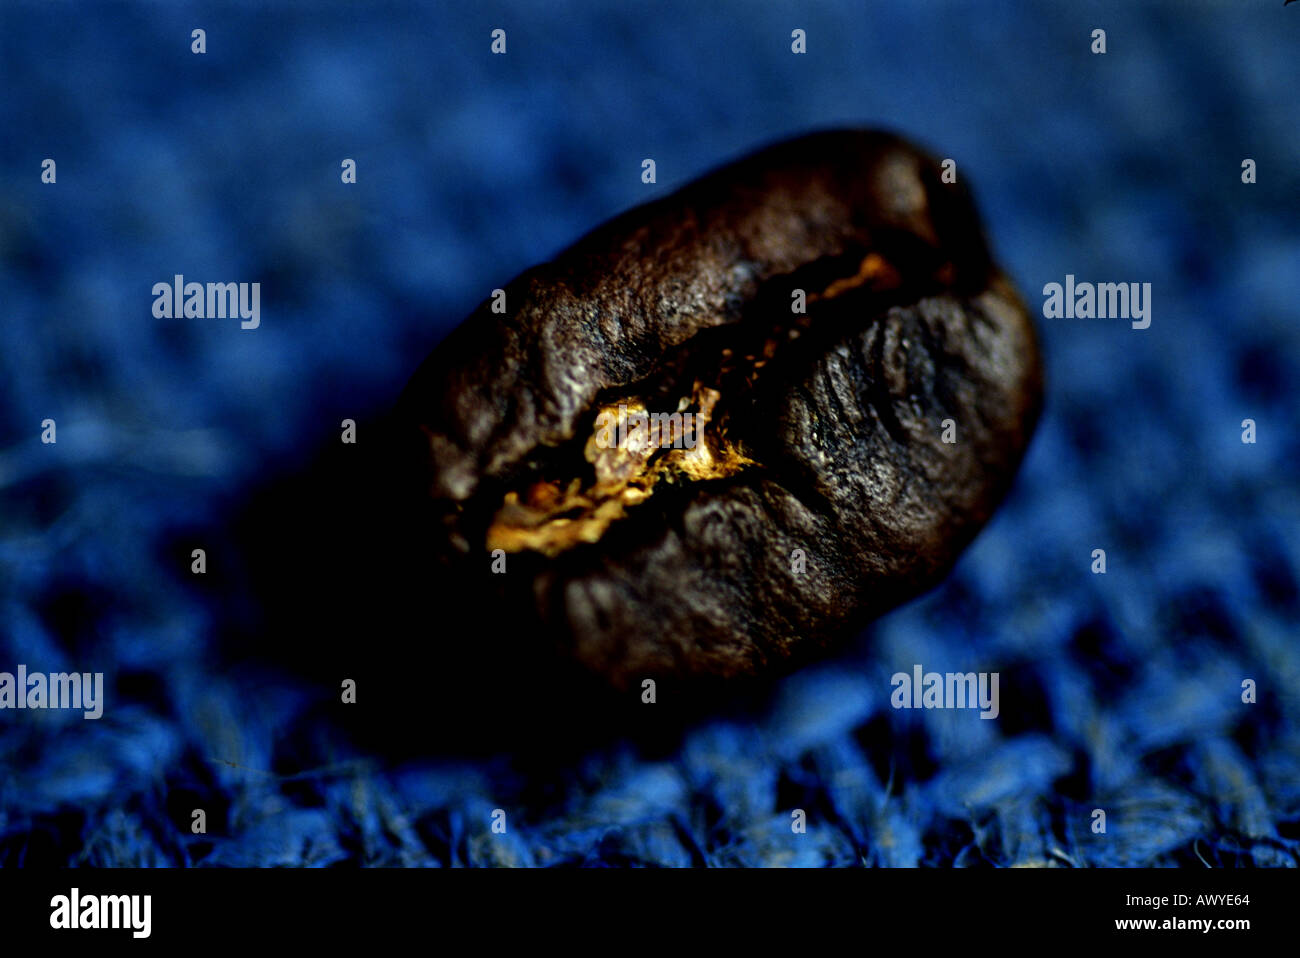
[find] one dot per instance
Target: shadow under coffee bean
(855, 383)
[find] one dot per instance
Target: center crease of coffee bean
(632, 450)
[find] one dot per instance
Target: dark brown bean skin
(843, 425)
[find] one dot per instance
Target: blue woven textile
(1120, 692)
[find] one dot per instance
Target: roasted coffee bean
(728, 426)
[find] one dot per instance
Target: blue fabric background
(1119, 692)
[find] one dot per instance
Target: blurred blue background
(1120, 692)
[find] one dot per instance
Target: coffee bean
(728, 426)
